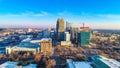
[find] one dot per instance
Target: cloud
(42, 13)
(29, 13)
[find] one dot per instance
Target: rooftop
(26, 40)
(72, 64)
(31, 45)
(27, 45)
(9, 64)
(110, 62)
(45, 39)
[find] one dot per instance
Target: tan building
(60, 28)
(66, 43)
(46, 45)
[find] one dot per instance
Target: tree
(116, 56)
(28, 54)
(1, 56)
(50, 63)
(49, 53)
(81, 50)
(37, 57)
(58, 48)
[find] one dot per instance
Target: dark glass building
(83, 38)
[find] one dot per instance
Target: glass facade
(83, 38)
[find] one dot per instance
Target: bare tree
(37, 57)
(50, 63)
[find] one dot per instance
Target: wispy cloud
(42, 13)
(29, 13)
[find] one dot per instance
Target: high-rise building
(66, 41)
(72, 29)
(67, 36)
(68, 25)
(46, 45)
(52, 33)
(84, 36)
(60, 29)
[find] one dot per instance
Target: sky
(97, 14)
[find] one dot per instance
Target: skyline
(97, 14)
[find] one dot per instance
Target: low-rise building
(9, 64)
(25, 45)
(103, 62)
(66, 43)
(72, 64)
(30, 48)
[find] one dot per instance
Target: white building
(35, 40)
(72, 64)
(66, 43)
(25, 45)
(9, 64)
(30, 48)
(67, 36)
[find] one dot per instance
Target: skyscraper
(68, 25)
(72, 29)
(60, 29)
(84, 36)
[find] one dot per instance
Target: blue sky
(104, 14)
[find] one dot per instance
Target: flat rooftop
(9, 64)
(110, 62)
(72, 64)
(45, 39)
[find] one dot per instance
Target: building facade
(66, 43)
(60, 29)
(84, 36)
(25, 45)
(103, 62)
(46, 45)
(66, 36)
(74, 34)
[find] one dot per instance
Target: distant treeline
(107, 30)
